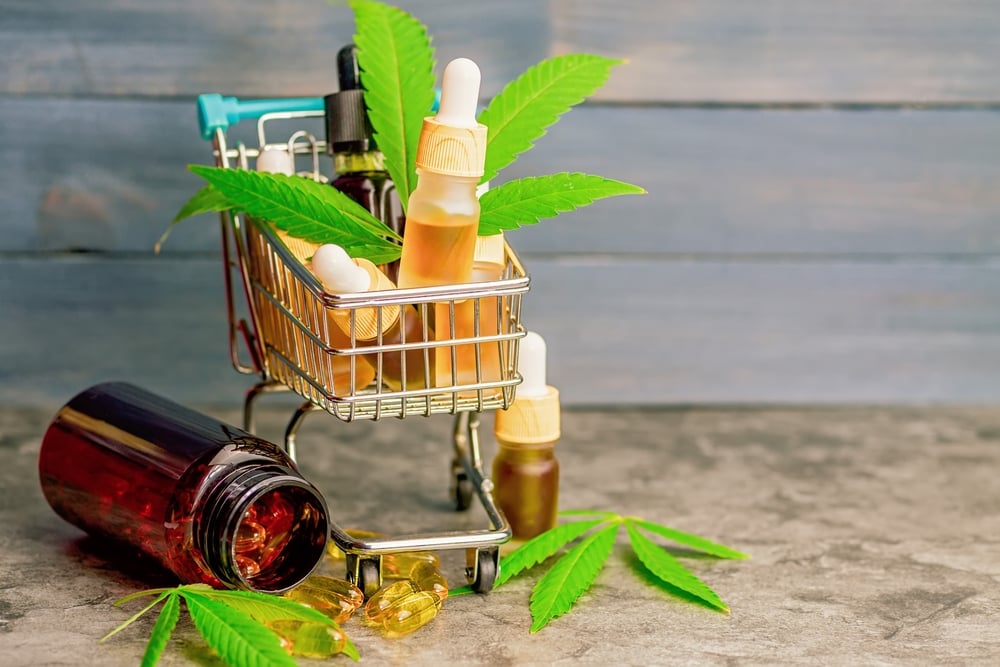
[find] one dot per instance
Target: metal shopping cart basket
(292, 345)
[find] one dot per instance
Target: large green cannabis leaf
(305, 209)
(535, 100)
(397, 74)
(231, 622)
(527, 200)
(557, 590)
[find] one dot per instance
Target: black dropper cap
(347, 126)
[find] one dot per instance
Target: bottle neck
(273, 505)
(514, 452)
(445, 193)
(352, 163)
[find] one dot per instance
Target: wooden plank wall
(821, 224)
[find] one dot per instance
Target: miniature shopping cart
(292, 346)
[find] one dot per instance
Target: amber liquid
(492, 322)
(438, 252)
(377, 193)
(527, 488)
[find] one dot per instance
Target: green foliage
(570, 577)
(572, 574)
(164, 627)
(535, 100)
(206, 200)
(231, 622)
(397, 73)
(528, 200)
(237, 638)
(542, 547)
(305, 209)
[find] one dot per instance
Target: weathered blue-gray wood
(711, 50)
(109, 175)
(811, 51)
(620, 332)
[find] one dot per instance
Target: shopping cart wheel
(368, 576)
(461, 489)
(485, 571)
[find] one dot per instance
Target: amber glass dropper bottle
(358, 163)
(525, 469)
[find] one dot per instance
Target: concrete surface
(874, 534)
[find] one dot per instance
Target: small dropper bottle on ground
(340, 274)
(357, 161)
(442, 217)
(525, 469)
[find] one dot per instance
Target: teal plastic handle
(216, 112)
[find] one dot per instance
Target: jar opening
(279, 539)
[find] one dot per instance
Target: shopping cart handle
(216, 112)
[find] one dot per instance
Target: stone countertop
(874, 535)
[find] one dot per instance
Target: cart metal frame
(286, 337)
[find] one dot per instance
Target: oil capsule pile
(412, 592)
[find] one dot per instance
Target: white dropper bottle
(342, 275)
(442, 216)
(525, 469)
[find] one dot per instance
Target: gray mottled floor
(875, 536)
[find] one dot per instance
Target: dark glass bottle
(361, 175)
(208, 501)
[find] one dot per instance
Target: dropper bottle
(443, 212)
(341, 368)
(388, 325)
(357, 161)
(525, 469)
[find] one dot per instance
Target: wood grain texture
(853, 51)
(649, 332)
(109, 175)
(711, 50)
(255, 48)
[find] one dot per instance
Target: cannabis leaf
(535, 100)
(305, 209)
(237, 638)
(397, 73)
(668, 569)
(206, 200)
(559, 588)
(693, 541)
(232, 622)
(527, 200)
(574, 572)
(164, 627)
(541, 547)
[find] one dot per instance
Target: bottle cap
(338, 272)
(342, 275)
(347, 127)
(453, 143)
(490, 249)
(533, 417)
(276, 160)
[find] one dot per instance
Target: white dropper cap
(338, 272)
(452, 142)
(533, 418)
(459, 94)
(531, 365)
(276, 161)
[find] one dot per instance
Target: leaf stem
(135, 617)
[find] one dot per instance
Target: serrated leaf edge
(170, 613)
(210, 623)
(558, 589)
(669, 570)
(542, 547)
(691, 540)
